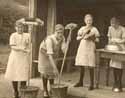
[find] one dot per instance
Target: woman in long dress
(18, 63)
(85, 57)
(48, 52)
(116, 35)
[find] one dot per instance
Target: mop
(60, 90)
(71, 27)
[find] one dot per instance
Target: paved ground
(69, 78)
(6, 90)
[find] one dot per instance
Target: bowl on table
(113, 47)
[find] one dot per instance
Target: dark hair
(115, 20)
(86, 15)
(17, 24)
(59, 27)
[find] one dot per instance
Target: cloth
(18, 62)
(117, 34)
(86, 50)
(49, 46)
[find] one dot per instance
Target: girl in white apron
(18, 63)
(116, 35)
(85, 57)
(48, 52)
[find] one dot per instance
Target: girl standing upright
(116, 35)
(18, 63)
(85, 57)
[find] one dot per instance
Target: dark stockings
(51, 81)
(118, 77)
(91, 70)
(45, 81)
(23, 84)
(82, 72)
(80, 83)
(91, 76)
(15, 87)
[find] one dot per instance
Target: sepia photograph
(62, 48)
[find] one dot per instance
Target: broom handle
(64, 58)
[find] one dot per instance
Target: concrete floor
(70, 79)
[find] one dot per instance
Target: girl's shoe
(16, 95)
(50, 93)
(91, 88)
(117, 90)
(120, 89)
(45, 95)
(79, 84)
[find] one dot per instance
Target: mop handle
(30, 63)
(64, 58)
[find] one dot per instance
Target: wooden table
(102, 53)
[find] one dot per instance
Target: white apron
(18, 62)
(86, 51)
(86, 54)
(117, 34)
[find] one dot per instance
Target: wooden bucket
(29, 92)
(59, 90)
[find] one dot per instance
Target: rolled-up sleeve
(28, 42)
(12, 41)
(97, 34)
(109, 32)
(80, 31)
(123, 33)
(49, 46)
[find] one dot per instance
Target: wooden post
(32, 30)
(51, 18)
(32, 8)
